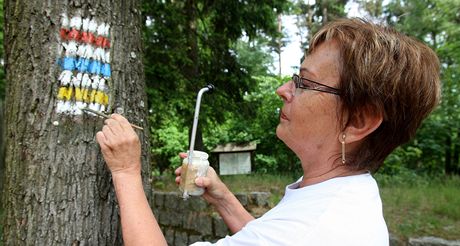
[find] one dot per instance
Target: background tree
(2, 153)
(272, 155)
(2, 95)
(312, 15)
(436, 148)
(57, 190)
(190, 44)
(374, 8)
(2, 68)
(234, 114)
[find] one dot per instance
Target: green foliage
(402, 154)
(264, 124)
(170, 139)
(436, 23)
(254, 56)
(272, 156)
(192, 43)
(265, 163)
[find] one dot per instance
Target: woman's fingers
(203, 182)
(178, 171)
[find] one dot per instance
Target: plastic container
(190, 171)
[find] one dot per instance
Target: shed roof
(235, 147)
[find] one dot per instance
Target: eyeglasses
(307, 84)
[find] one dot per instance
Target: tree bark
(280, 44)
(57, 189)
(192, 69)
(325, 17)
(2, 150)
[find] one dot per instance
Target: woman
(362, 90)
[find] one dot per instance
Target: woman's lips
(283, 116)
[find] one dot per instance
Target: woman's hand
(217, 194)
(122, 152)
(215, 190)
(120, 146)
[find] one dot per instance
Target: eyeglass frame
(298, 82)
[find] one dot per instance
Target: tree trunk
(325, 17)
(448, 155)
(199, 144)
(280, 44)
(192, 69)
(57, 189)
(2, 150)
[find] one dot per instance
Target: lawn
(421, 206)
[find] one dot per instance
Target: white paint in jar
(190, 171)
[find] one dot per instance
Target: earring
(343, 147)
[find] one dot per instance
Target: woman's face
(309, 119)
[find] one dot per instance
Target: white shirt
(339, 211)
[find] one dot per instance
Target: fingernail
(199, 181)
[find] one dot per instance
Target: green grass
(413, 205)
(422, 206)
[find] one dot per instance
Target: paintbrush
(88, 110)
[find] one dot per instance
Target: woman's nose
(285, 91)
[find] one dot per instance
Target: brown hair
(386, 72)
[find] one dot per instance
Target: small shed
(235, 158)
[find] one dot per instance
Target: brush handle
(88, 110)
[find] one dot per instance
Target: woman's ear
(362, 123)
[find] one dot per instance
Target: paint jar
(197, 167)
